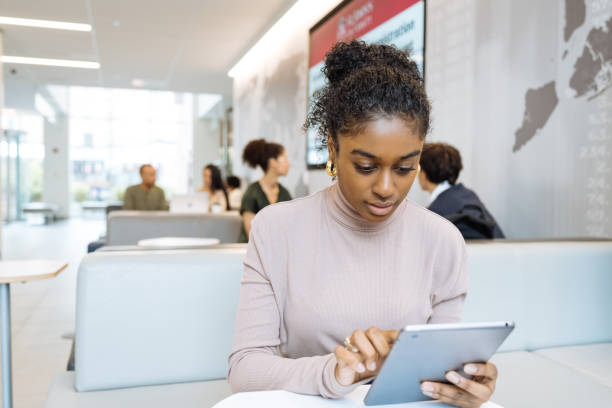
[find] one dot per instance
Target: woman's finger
(379, 340)
(478, 390)
(449, 394)
(366, 349)
(391, 335)
(487, 370)
(349, 359)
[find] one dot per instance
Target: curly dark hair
(365, 82)
(258, 152)
(440, 162)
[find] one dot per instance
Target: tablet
(427, 352)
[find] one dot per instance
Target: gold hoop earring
(330, 169)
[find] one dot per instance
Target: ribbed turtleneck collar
(344, 214)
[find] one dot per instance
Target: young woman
(213, 185)
(356, 259)
(273, 160)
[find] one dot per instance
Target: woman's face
(280, 164)
(207, 174)
(377, 166)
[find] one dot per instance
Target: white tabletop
(177, 242)
(26, 270)
(288, 399)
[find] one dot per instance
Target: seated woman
(213, 185)
(328, 266)
(273, 160)
(440, 168)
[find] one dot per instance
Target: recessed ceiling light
(58, 25)
(138, 83)
(50, 62)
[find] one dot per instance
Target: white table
(177, 243)
(288, 399)
(17, 271)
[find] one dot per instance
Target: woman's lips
(380, 209)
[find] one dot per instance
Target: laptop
(189, 203)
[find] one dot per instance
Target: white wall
(270, 102)
(481, 59)
(206, 145)
(56, 186)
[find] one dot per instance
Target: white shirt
(440, 188)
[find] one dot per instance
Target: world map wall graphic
(591, 71)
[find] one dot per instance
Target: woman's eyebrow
(371, 156)
(362, 153)
(409, 155)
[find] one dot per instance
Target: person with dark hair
(273, 160)
(213, 185)
(234, 193)
(145, 196)
(327, 266)
(440, 167)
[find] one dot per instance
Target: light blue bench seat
(527, 380)
(593, 360)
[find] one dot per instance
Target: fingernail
(427, 388)
(372, 366)
(453, 377)
(470, 369)
(360, 368)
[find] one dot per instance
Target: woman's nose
(384, 186)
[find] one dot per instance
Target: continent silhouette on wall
(575, 14)
(539, 105)
(593, 70)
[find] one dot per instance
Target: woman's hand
(463, 392)
(372, 346)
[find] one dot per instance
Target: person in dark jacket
(440, 165)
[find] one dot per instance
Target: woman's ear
(331, 149)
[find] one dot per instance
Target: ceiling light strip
(58, 25)
(51, 62)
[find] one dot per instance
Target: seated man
(145, 196)
(440, 166)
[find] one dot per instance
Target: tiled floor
(43, 311)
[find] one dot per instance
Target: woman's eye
(365, 169)
(404, 170)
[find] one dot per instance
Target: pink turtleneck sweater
(315, 271)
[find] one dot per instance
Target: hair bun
(257, 153)
(346, 58)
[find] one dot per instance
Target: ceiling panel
(45, 43)
(73, 11)
(182, 45)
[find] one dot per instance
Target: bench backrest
(129, 227)
(558, 293)
(150, 317)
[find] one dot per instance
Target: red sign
(353, 21)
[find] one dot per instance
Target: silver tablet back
(427, 352)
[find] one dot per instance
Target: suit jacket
(453, 199)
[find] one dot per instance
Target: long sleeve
(128, 200)
(254, 361)
(450, 283)
(164, 206)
